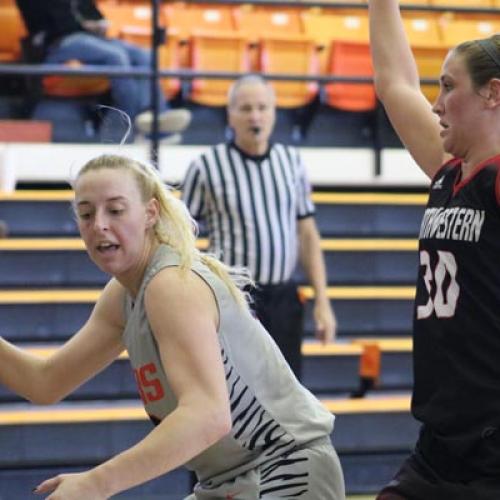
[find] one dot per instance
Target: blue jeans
(131, 95)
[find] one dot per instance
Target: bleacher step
(36, 315)
(327, 369)
(64, 262)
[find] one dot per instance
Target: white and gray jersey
(272, 413)
(251, 205)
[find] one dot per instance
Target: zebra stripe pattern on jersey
(285, 478)
(251, 206)
(253, 427)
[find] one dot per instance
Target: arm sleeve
(88, 10)
(305, 205)
(193, 190)
(55, 18)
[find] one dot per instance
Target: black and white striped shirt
(251, 205)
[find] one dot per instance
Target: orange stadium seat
(463, 3)
(361, 2)
(350, 59)
(169, 59)
(185, 18)
(74, 86)
(253, 21)
(129, 18)
(212, 52)
(424, 36)
(429, 63)
(13, 30)
(342, 10)
(422, 32)
(292, 55)
(325, 25)
(455, 31)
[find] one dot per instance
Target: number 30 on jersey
(444, 302)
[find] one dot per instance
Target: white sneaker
(171, 120)
(164, 139)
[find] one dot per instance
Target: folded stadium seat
(463, 3)
(130, 17)
(427, 46)
(455, 31)
(251, 21)
(74, 86)
(216, 52)
(325, 25)
(292, 55)
(350, 59)
(468, 4)
(343, 10)
(169, 59)
(422, 31)
(13, 30)
(185, 18)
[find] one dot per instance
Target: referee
(255, 199)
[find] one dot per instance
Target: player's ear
(152, 212)
(494, 88)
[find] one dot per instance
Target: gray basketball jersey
(272, 413)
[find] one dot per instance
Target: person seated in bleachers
(66, 30)
(4, 229)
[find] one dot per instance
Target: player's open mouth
(107, 247)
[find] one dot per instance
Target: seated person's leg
(169, 121)
(89, 49)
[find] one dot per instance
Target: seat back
(13, 30)
(252, 22)
(427, 46)
(186, 18)
(212, 52)
(422, 32)
(325, 25)
(342, 10)
(455, 31)
(74, 86)
(292, 55)
(130, 18)
(463, 3)
(350, 59)
(169, 59)
(429, 62)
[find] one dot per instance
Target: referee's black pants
(280, 310)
